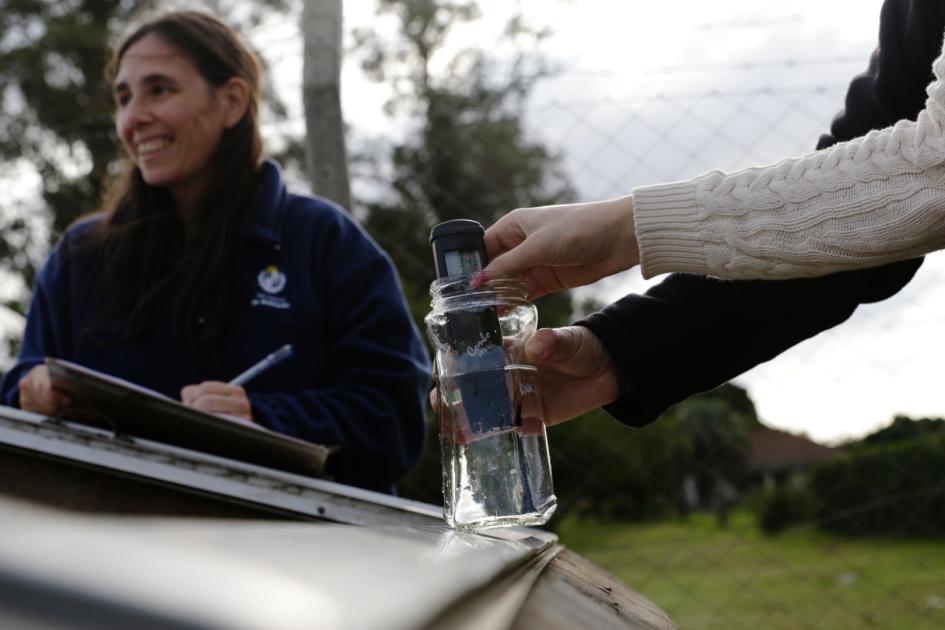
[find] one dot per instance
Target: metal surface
(249, 574)
(199, 472)
(498, 603)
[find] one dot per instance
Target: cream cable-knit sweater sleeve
(865, 202)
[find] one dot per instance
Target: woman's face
(169, 118)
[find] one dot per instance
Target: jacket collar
(267, 209)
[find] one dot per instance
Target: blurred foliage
(56, 115)
(785, 506)
(888, 483)
(56, 107)
(903, 428)
(605, 470)
(718, 434)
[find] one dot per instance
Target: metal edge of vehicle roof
(499, 602)
(241, 482)
(208, 573)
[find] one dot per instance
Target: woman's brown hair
(143, 241)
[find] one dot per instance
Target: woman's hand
(218, 398)
(575, 372)
(38, 395)
(560, 247)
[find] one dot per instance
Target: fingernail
(479, 279)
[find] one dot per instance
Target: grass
(706, 576)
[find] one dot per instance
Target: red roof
(774, 450)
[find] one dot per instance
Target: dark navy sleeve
(374, 409)
(47, 330)
(692, 333)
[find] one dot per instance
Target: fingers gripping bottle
(496, 467)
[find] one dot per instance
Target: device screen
(462, 261)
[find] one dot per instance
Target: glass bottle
(496, 466)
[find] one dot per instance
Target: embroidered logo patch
(271, 280)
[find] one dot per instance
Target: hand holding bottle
(563, 246)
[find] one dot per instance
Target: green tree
(737, 400)
(608, 471)
(717, 425)
(56, 111)
(605, 470)
(903, 428)
(55, 120)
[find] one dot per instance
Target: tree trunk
(325, 141)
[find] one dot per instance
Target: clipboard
(130, 409)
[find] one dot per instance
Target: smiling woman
(201, 263)
(170, 122)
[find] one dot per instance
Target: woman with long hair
(201, 263)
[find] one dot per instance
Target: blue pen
(281, 354)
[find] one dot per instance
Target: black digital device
(459, 249)
(475, 333)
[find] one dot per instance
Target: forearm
(873, 200)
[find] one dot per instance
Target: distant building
(779, 458)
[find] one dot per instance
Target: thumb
(554, 345)
(516, 260)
